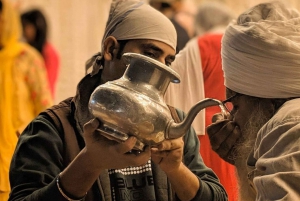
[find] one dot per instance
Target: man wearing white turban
(61, 156)
(261, 134)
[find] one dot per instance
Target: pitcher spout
(176, 130)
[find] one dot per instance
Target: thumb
(215, 127)
(218, 117)
(91, 126)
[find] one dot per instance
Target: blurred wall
(75, 28)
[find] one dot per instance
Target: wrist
(65, 194)
(95, 166)
(78, 177)
(175, 169)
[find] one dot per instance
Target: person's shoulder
(48, 48)
(42, 122)
(30, 52)
(210, 44)
(51, 116)
(210, 38)
(287, 117)
(288, 112)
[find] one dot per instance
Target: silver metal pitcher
(134, 104)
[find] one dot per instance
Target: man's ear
(110, 44)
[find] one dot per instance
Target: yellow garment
(24, 90)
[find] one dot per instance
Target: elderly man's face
(241, 108)
(250, 114)
(115, 67)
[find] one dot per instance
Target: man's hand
(223, 135)
(109, 154)
(168, 154)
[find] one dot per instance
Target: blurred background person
(212, 17)
(69, 31)
(35, 31)
(175, 10)
(200, 68)
(24, 88)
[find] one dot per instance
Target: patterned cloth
(24, 90)
(132, 183)
(30, 78)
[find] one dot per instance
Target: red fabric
(51, 59)
(210, 50)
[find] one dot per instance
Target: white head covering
(134, 19)
(137, 20)
(261, 52)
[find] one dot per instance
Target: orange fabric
(210, 50)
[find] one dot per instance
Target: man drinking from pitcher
(61, 156)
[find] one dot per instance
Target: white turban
(135, 19)
(261, 52)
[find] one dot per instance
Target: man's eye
(149, 54)
(168, 63)
(234, 109)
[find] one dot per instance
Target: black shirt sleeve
(36, 163)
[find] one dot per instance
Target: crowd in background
(24, 87)
(31, 68)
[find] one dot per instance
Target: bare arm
(168, 156)
(184, 182)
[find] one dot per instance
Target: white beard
(256, 121)
(245, 192)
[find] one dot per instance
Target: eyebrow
(152, 46)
